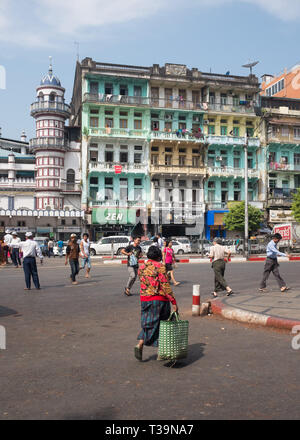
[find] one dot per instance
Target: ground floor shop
(55, 224)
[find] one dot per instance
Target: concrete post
(196, 300)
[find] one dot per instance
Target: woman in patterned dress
(156, 295)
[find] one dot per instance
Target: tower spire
(50, 65)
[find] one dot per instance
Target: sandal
(138, 353)
(214, 294)
(285, 289)
(127, 292)
(229, 293)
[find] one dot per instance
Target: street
(69, 352)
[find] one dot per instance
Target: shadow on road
(194, 354)
(4, 311)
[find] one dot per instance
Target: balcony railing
(22, 182)
(120, 203)
(216, 205)
(178, 136)
(49, 106)
(231, 108)
(110, 166)
(277, 166)
(70, 187)
(232, 140)
(118, 132)
(144, 101)
(177, 205)
(48, 143)
(177, 169)
(232, 172)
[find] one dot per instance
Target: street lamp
(246, 196)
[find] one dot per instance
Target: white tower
(50, 113)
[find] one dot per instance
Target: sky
(216, 35)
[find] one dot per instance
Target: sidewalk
(270, 309)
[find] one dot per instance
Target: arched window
(70, 179)
(41, 97)
(52, 97)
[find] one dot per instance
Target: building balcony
(176, 136)
(19, 182)
(232, 172)
(177, 169)
(280, 197)
(231, 108)
(277, 166)
(144, 101)
(210, 206)
(117, 133)
(48, 143)
(70, 187)
(48, 106)
(232, 140)
(119, 203)
(126, 167)
(186, 206)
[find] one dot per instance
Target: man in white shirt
(14, 249)
(7, 240)
(85, 254)
(30, 250)
(50, 248)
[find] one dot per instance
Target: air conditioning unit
(156, 183)
(196, 118)
(169, 184)
(206, 122)
(169, 117)
(219, 158)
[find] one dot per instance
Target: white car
(104, 246)
(181, 248)
(186, 244)
(56, 251)
(145, 246)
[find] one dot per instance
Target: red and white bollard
(196, 300)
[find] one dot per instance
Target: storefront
(214, 224)
(106, 221)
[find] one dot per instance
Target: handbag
(173, 338)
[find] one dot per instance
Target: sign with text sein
(118, 169)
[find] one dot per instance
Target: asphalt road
(69, 352)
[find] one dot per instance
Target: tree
(235, 219)
(296, 206)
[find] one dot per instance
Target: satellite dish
(250, 66)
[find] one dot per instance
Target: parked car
(180, 248)
(104, 246)
(145, 246)
(186, 244)
(196, 246)
(42, 242)
(56, 251)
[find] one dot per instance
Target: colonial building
(281, 134)
(110, 103)
(167, 138)
(40, 185)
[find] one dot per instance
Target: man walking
(7, 240)
(217, 254)
(30, 250)
(271, 265)
(72, 253)
(133, 253)
(50, 248)
(85, 254)
(14, 249)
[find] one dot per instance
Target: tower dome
(49, 79)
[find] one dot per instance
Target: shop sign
(114, 216)
(118, 169)
(282, 215)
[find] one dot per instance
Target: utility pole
(246, 198)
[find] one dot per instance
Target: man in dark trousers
(30, 250)
(271, 265)
(217, 254)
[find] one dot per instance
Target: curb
(206, 261)
(245, 316)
